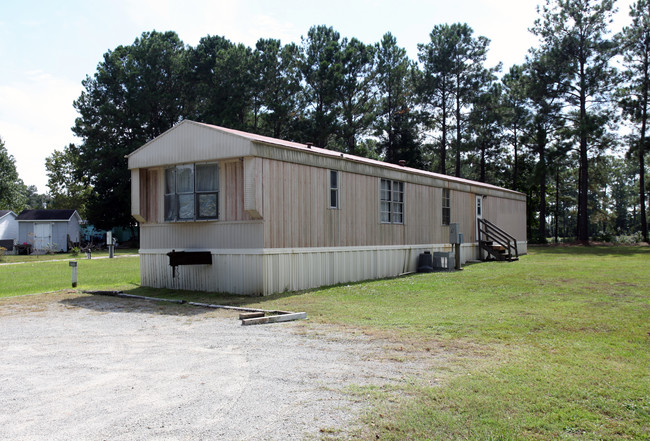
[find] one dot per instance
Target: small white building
(257, 215)
(49, 230)
(8, 229)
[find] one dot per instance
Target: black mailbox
(177, 258)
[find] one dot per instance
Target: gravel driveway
(79, 367)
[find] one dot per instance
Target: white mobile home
(8, 229)
(243, 213)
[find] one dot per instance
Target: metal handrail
(497, 235)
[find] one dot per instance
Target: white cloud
(191, 19)
(35, 119)
(267, 26)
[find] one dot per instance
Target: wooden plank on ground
(249, 315)
(274, 318)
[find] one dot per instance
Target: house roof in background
(47, 215)
(3, 213)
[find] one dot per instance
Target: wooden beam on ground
(249, 315)
(232, 308)
(132, 296)
(275, 318)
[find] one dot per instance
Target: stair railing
(487, 231)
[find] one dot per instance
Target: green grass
(62, 256)
(554, 346)
(32, 277)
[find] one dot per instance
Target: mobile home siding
(231, 271)
(298, 213)
(202, 235)
(200, 144)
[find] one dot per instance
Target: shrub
(602, 236)
(51, 248)
(629, 240)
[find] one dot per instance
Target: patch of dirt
(94, 367)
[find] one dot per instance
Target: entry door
(479, 213)
(42, 236)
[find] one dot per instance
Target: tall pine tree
(635, 45)
(574, 33)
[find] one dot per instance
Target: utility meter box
(454, 234)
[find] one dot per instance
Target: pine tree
(573, 33)
(635, 45)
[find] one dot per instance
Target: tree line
(550, 127)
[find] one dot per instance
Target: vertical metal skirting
(273, 271)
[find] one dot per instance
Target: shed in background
(49, 230)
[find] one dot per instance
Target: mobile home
(243, 213)
(8, 230)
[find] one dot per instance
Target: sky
(47, 48)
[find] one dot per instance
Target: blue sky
(47, 48)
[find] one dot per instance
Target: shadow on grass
(589, 250)
(108, 303)
(246, 301)
(112, 304)
(217, 298)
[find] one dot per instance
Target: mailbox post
(73, 264)
(110, 244)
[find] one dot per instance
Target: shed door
(42, 236)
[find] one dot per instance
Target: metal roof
(46, 215)
(314, 150)
(360, 159)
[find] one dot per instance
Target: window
(391, 198)
(446, 206)
(192, 192)
(334, 189)
(207, 191)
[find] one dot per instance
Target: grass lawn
(554, 346)
(45, 273)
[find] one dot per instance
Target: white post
(109, 243)
(74, 273)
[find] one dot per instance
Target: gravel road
(79, 367)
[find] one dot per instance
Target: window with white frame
(391, 202)
(192, 192)
(334, 189)
(446, 206)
